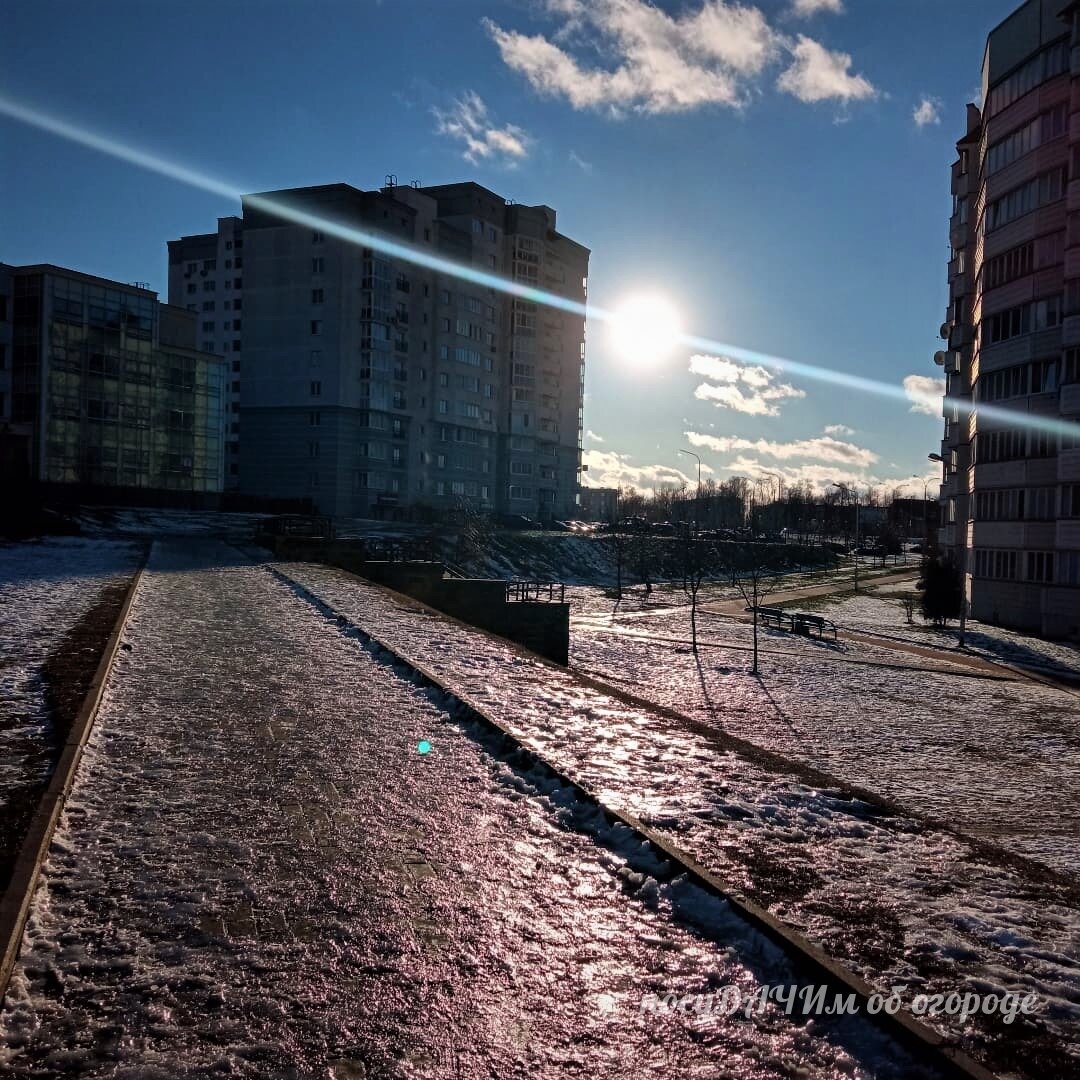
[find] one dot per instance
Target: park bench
(767, 615)
(802, 623)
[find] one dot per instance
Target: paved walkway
(259, 875)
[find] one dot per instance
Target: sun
(645, 330)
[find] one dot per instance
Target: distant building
(206, 278)
(599, 504)
(108, 387)
(1011, 494)
(373, 386)
(914, 518)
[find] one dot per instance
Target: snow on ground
(45, 589)
(902, 901)
(996, 758)
(258, 875)
(885, 615)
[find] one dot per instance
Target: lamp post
(855, 493)
(963, 564)
(697, 497)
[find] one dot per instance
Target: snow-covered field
(45, 589)
(995, 757)
(258, 875)
(903, 901)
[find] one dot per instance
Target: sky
(777, 172)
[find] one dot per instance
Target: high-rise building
(1011, 493)
(371, 385)
(206, 277)
(107, 387)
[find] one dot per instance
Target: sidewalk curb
(15, 904)
(915, 1035)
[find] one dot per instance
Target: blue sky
(761, 166)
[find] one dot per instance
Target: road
(258, 874)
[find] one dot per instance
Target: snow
(937, 911)
(257, 874)
(45, 589)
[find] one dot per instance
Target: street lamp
(843, 487)
(697, 497)
(963, 564)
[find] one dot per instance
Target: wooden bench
(802, 623)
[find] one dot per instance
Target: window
(314, 419)
(444, 406)
(192, 287)
(318, 264)
(477, 227)
(1008, 266)
(208, 305)
(317, 237)
(519, 492)
(1040, 566)
(313, 448)
(316, 388)
(316, 327)
(1051, 62)
(1000, 565)
(1041, 191)
(521, 468)
(236, 365)
(316, 296)
(1025, 319)
(236, 325)
(208, 327)
(1043, 129)
(236, 345)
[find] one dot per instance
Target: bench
(767, 615)
(802, 623)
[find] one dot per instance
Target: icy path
(258, 875)
(45, 589)
(901, 901)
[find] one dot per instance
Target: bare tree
(702, 561)
(757, 578)
(618, 543)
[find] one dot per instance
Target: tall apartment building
(1010, 493)
(371, 385)
(107, 389)
(206, 277)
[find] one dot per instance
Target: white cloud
(821, 448)
(757, 395)
(838, 429)
(661, 63)
(469, 123)
(581, 163)
(609, 469)
(925, 393)
(928, 111)
(590, 434)
(805, 8)
(819, 74)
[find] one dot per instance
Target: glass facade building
(111, 386)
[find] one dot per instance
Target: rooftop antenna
(416, 183)
(391, 181)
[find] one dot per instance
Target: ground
(254, 836)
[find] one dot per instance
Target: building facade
(374, 386)
(1011, 493)
(206, 278)
(108, 387)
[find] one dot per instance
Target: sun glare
(644, 330)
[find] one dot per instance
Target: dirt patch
(65, 676)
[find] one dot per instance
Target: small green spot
(423, 746)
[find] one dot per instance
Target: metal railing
(535, 592)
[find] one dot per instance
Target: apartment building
(1010, 493)
(107, 387)
(206, 277)
(375, 386)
